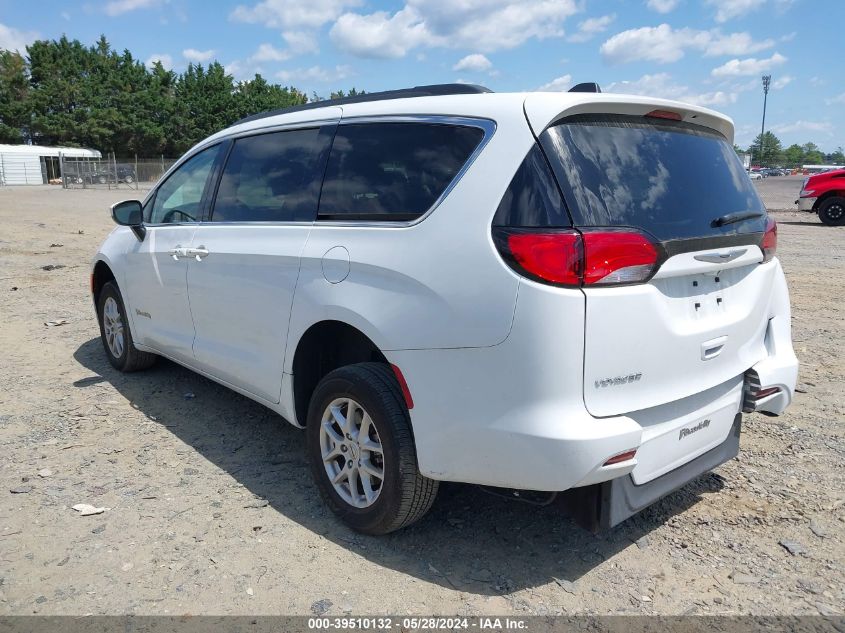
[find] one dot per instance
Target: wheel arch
(323, 347)
(101, 274)
(834, 193)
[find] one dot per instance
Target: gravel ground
(210, 507)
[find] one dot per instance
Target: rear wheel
(832, 211)
(362, 451)
(115, 333)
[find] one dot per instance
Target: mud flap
(605, 505)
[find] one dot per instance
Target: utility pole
(766, 80)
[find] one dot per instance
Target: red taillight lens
(569, 258)
(618, 257)
(770, 240)
(554, 257)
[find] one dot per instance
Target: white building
(36, 164)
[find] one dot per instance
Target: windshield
(672, 179)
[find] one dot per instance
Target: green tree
(15, 104)
(771, 153)
(793, 156)
(812, 155)
(64, 93)
(837, 157)
(257, 95)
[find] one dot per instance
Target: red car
(825, 194)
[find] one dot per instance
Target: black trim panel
(621, 498)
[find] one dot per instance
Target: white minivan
(539, 291)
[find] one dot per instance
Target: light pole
(766, 80)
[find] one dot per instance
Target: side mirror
(130, 213)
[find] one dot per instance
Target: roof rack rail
(404, 93)
(589, 86)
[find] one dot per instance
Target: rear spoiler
(543, 109)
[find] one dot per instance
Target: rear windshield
(669, 178)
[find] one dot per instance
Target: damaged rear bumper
(602, 506)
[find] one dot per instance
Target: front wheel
(362, 451)
(115, 333)
(832, 211)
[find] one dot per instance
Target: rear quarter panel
(438, 283)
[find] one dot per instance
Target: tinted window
(393, 171)
(669, 178)
(178, 198)
(532, 199)
(273, 177)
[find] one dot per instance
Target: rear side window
(669, 178)
(273, 177)
(532, 198)
(392, 171)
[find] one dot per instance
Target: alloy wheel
(352, 453)
(113, 327)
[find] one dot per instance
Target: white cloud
(118, 7)
(199, 57)
(474, 63)
(735, 44)
(269, 53)
(663, 44)
(379, 34)
(662, 6)
(661, 85)
(301, 42)
(165, 59)
(836, 100)
(824, 127)
(12, 39)
(241, 71)
(315, 73)
(781, 82)
(558, 84)
(292, 14)
(485, 25)
(590, 27)
(729, 9)
(750, 66)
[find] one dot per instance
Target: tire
(129, 180)
(832, 211)
(123, 356)
(403, 494)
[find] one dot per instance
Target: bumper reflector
(621, 457)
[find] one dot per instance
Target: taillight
(555, 257)
(571, 258)
(770, 240)
(617, 257)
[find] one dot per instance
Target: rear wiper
(733, 218)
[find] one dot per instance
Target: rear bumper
(605, 505)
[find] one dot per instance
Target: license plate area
(678, 432)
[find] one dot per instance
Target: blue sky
(710, 52)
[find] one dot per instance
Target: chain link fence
(112, 172)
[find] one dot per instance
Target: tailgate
(690, 328)
(696, 315)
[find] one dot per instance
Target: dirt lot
(211, 508)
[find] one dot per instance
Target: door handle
(178, 251)
(198, 252)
